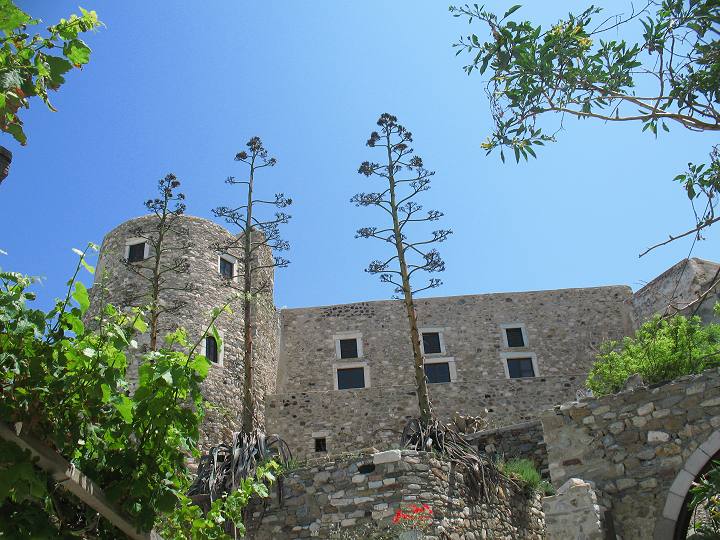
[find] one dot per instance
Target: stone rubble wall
(679, 286)
(223, 386)
(516, 441)
(575, 511)
(342, 497)
(641, 447)
(352, 419)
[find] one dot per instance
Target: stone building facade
(196, 239)
(477, 339)
(336, 378)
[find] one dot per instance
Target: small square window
(321, 444)
(136, 252)
(515, 337)
(519, 368)
(348, 348)
(349, 378)
(211, 350)
(227, 268)
(431, 342)
(437, 372)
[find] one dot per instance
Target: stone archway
(674, 519)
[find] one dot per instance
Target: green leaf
(77, 52)
(81, 297)
(125, 408)
(140, 325)
(201, 365)
(512, 10)
(11, 17)
(261, 489)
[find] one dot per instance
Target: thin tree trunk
(248, 412)
(155, 292)
(420, 380)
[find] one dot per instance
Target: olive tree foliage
(403, 178)
(580, 68)
(33, 64)
(164, 273)
(257, 235)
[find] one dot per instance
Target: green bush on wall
(661, 350)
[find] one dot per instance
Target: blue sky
(179, 87)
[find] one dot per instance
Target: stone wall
(641, 447)
(223, 386)
(678, 287)
(576, 511)
(352, 419)
(562, 327)
(346, 497)
(523, 440)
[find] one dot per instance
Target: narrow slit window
(211, 349)
(431, 342)
(437, 372)
(321, 444)
(136, 252)
(348, 348)
(227, 268)
(515, 337)
(519, 368)
(349, 378)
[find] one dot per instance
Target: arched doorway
(676, 516)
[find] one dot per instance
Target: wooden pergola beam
(74, 481)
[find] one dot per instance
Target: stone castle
(335, 379)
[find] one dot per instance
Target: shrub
(705, 505)
(524, 470)
(661, 350)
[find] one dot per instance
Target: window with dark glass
(437, 373)
(227, 268)
(515, 337)
(321, 444)
(348, 348)
(136, 252)
(520, 367)
(349, 378)
(431, 342)
(211, 349)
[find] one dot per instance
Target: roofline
(666, 273)
(459, 296)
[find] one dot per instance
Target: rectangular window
(515, 337)
(136, 252)
(227, 268)
(519, 368)
(321, 444)
(211, 349)
(431, 342)
(437, 372)
(349, 378)
(348, 348)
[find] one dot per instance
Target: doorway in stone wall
(690, 520)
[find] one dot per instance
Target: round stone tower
(213, 277)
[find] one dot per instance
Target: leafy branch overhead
(28, 66)
(579, 68)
